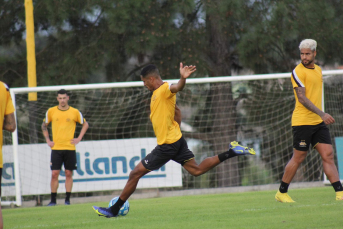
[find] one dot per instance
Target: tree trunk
(222, 103)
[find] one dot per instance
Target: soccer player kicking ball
(170, 143)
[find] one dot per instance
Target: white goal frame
(14, 91)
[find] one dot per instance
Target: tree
(275, 29)
(12, 57)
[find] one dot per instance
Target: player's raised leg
(129, 188)
(234, 150)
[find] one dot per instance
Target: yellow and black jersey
(6, 108)
(63, 126)
(162, 107)
(312, 80)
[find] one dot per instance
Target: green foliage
(12, 50)
(254, 172)
(105, 41)
(12, 16)
(275, 29)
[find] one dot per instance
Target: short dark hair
(62, 92)
(150, 69)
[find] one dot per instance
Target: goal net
(254, 110)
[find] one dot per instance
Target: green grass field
(314, 208)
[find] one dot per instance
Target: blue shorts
(177, 151)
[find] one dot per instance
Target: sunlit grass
(314, 208)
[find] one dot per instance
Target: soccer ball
(124, 209)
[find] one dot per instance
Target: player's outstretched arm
(82, 133)
(185, 72)
(46, 134)
(9, 123)
(301, 94)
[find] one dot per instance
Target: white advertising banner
(101, 165)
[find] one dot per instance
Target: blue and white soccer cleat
(106, 212)
(241, 150)
(51, 204)
(67, 202)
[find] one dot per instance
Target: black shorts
(159, 156)
(305, 135)
(66, 157)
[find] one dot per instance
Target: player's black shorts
(159, 156)
(66, 157)
(305, 135)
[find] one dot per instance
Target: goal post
(252, 109)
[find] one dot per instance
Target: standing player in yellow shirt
(7, 122)
(63, 118)
(171, 145)
(309, 122)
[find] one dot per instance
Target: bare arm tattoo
(9, 123)
(301, 93)
(45, 131)
(44, 127)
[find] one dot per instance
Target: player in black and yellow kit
(165, 118)
(63, 118)
(309, 122)
(7, 122)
